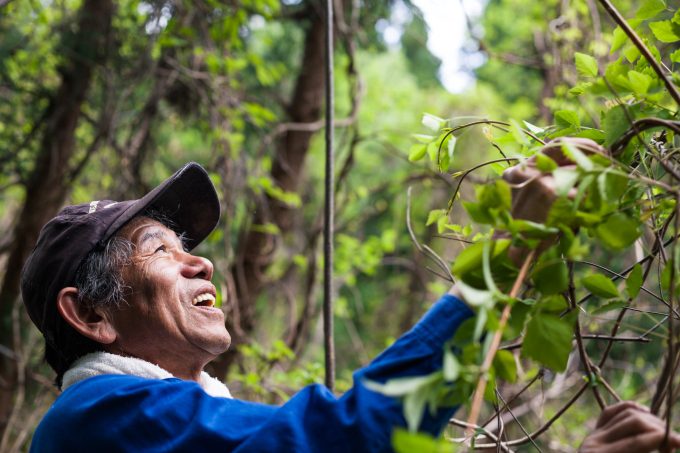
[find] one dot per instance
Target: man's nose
(197, 267)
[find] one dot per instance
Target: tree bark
(48, 184)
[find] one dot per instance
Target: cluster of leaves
(607, 197)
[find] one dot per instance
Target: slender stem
(495, 342)
(671, 329)
(329, 347)
(585, 360)
(621, 22)
(470, 170)
(526, 433)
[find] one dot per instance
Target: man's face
(169, 318)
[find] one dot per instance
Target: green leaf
(496, 195)
(615, 124)
(433, 122)
(609, 306)
(649, 9)
(476, 298)
(585, 64)
(565, 179)
(423, 138)
(417, 152)
(544, 163)
(575, 154)
(553, 303)
(478, 213)
(634, 281)
(435, 215)
(600, 286)
(548, 340)
(518, 133)
(407, 442)
(675, 56)
(505, 366)
(567, 118)
(551, 276)
(580, 88)
(399, 386)
(533, 128)
(531, 229)
(414, 408)
(618, 231)
(471, 258)
(631, 53)
(451, 366)
(665, 31)
(619, 39)
(611, 187)
(639, 82)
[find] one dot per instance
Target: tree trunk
(48, 185)
(255, 253)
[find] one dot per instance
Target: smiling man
(129, 322)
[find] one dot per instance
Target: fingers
(629, 427)
(643, 442)
(630, 422)
(610, 412)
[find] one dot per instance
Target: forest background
(103, 100)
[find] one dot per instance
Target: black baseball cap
(187, 198)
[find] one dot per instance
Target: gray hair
(99, 278)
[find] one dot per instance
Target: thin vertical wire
(329, 347)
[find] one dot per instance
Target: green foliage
(610, 200)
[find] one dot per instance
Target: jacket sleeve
(127, 413)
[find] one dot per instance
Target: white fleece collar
(100, 363)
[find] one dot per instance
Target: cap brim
(188, 198)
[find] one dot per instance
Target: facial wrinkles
(147, 261)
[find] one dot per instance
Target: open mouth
(203, 300)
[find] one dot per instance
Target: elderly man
(129, 322)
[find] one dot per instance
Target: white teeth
(203, 298)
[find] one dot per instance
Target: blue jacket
(129, 413)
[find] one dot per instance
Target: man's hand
(534, 192)
(628, 427)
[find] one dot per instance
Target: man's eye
(160, 249)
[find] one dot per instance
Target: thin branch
(470, 170)
(640, 125)
(518, 422)
(495, 342)
(585, 360)
(424, 249)
(621, 22)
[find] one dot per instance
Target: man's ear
(88, 321)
